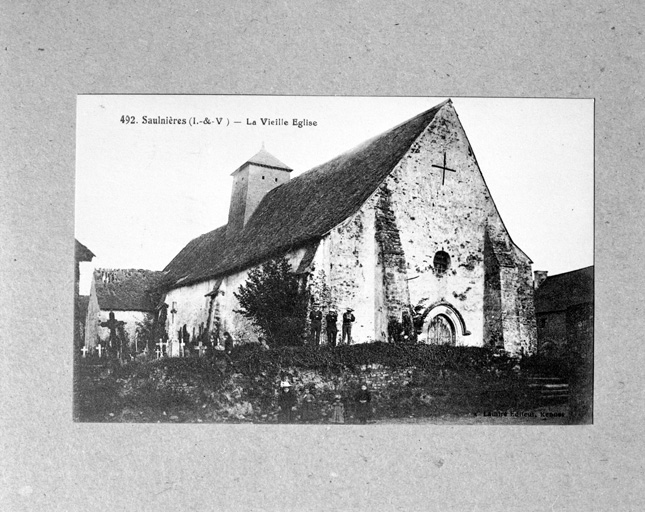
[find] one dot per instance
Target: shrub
(275, 301)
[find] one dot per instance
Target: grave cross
(113, 324)
(100, 349)
(201, 348)
(444, 168)
(161, 346)
(181, 348)
(84, 350)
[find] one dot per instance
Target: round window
(441, 262)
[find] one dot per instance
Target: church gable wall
(437, 213)
(442, 204)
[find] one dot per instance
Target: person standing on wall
(316, 324)
(348, 319)
(332, 329)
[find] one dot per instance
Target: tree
(275, 300)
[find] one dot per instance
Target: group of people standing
(331, 325)
(288, 405)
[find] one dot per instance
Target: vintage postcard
(334, 260)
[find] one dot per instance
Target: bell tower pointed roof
(264, 159)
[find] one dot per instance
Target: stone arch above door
(451, 317)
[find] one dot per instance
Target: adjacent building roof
(302, 210)
(559, 292)
(126, 289)
(82, 252)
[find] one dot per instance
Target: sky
(145, 190)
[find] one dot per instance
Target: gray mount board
(52, 53)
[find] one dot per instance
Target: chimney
(539, 276)
(251, 182)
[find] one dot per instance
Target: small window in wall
(262, 177)
(441, 262)
(276, 180)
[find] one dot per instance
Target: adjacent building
(564, 307)
(81, 254)
(121, 301)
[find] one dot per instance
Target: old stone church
(403, 222)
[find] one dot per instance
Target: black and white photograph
(334, 260)
(321, 256)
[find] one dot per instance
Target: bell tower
(251, 182)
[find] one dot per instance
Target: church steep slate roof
(199, 255)
(126, 289)
(302, 210)
(562, 291)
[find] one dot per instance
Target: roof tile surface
(126, 289)
(302, 210)
(561, 291)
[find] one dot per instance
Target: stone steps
(551, 388)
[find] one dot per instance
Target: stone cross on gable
(444, 168)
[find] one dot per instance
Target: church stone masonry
(416, 227)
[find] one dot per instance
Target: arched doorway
(442, 325)
(441, 331)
